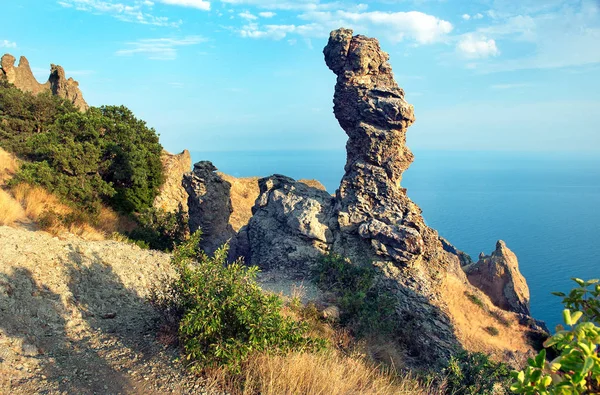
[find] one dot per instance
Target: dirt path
(74, 319)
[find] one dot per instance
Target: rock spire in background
(22, 77)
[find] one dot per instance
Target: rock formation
(372, 221)
(22, 77)
(290, 225)
(209, 205)
(498, 276)
(172, 194)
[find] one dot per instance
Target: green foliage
(492, 330)
(102, 155)
(364, 307)
(576, 370)
(474, 299)
(225, 314)
(475, 373)
(161, 230)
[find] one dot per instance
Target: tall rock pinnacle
(372, 222)
(22, 78)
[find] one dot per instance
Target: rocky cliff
(499, 277)
(172, 194)
(372, 221)
(22, 77)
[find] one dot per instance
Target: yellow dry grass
(11, 211)
(9, 165)
(470, 321)
(316, 374)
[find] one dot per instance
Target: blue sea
(546, 206)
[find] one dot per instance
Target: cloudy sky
(249, 74)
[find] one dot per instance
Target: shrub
(492, 330)
(161, 230)
(475, 373)
(103, 155)
(225, 314)
(576, 370)
(364, 307)
(475, 300)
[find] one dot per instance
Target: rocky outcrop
(22, 77)
(371, 220)
(172, 194)
(498, 276)
(289, 228)
(465, 259)
(209, 205)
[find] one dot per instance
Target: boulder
(498, 276)
(289, 228)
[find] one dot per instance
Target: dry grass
(9, 165)
(316, 373)
(471, 321)
(11, 211)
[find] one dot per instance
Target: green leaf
(561, 294)
(588, 364)
(567, 316)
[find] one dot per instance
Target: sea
(545, 206)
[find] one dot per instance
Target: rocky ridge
(498, 276)
(22, 77)
(372, 221)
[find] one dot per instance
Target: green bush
(364, 307)
(225, 316)
(475, 374)
(103, 155)
(576, 370)
(161, 230)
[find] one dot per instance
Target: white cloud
(475, 46)
(248, 16)
(8, 44)
(396, 26)
(136, 12)
(159, 48)
(478, 16)
(555, 35)
(267, 14)
(466, 17)
(199, 4)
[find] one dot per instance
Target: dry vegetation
(476, 337)
(25, 205)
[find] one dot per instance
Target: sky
(236, 75)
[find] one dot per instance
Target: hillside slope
(74, 317)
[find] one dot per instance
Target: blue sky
(249, 74)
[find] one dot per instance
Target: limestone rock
(498, 276)
(172, 194)
(22, 77)
(209, 205)
(465, 259)
(289, 227)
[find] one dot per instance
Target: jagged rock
(209, 205)
(22, 77)
(289, 228)
(498, 276)
(172, 194)
(465, 259)
(371, 220)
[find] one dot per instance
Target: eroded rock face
(372, 221)
(172, 194)
(22, 77)
(289, 228)
(209, 205)
(498, 276)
